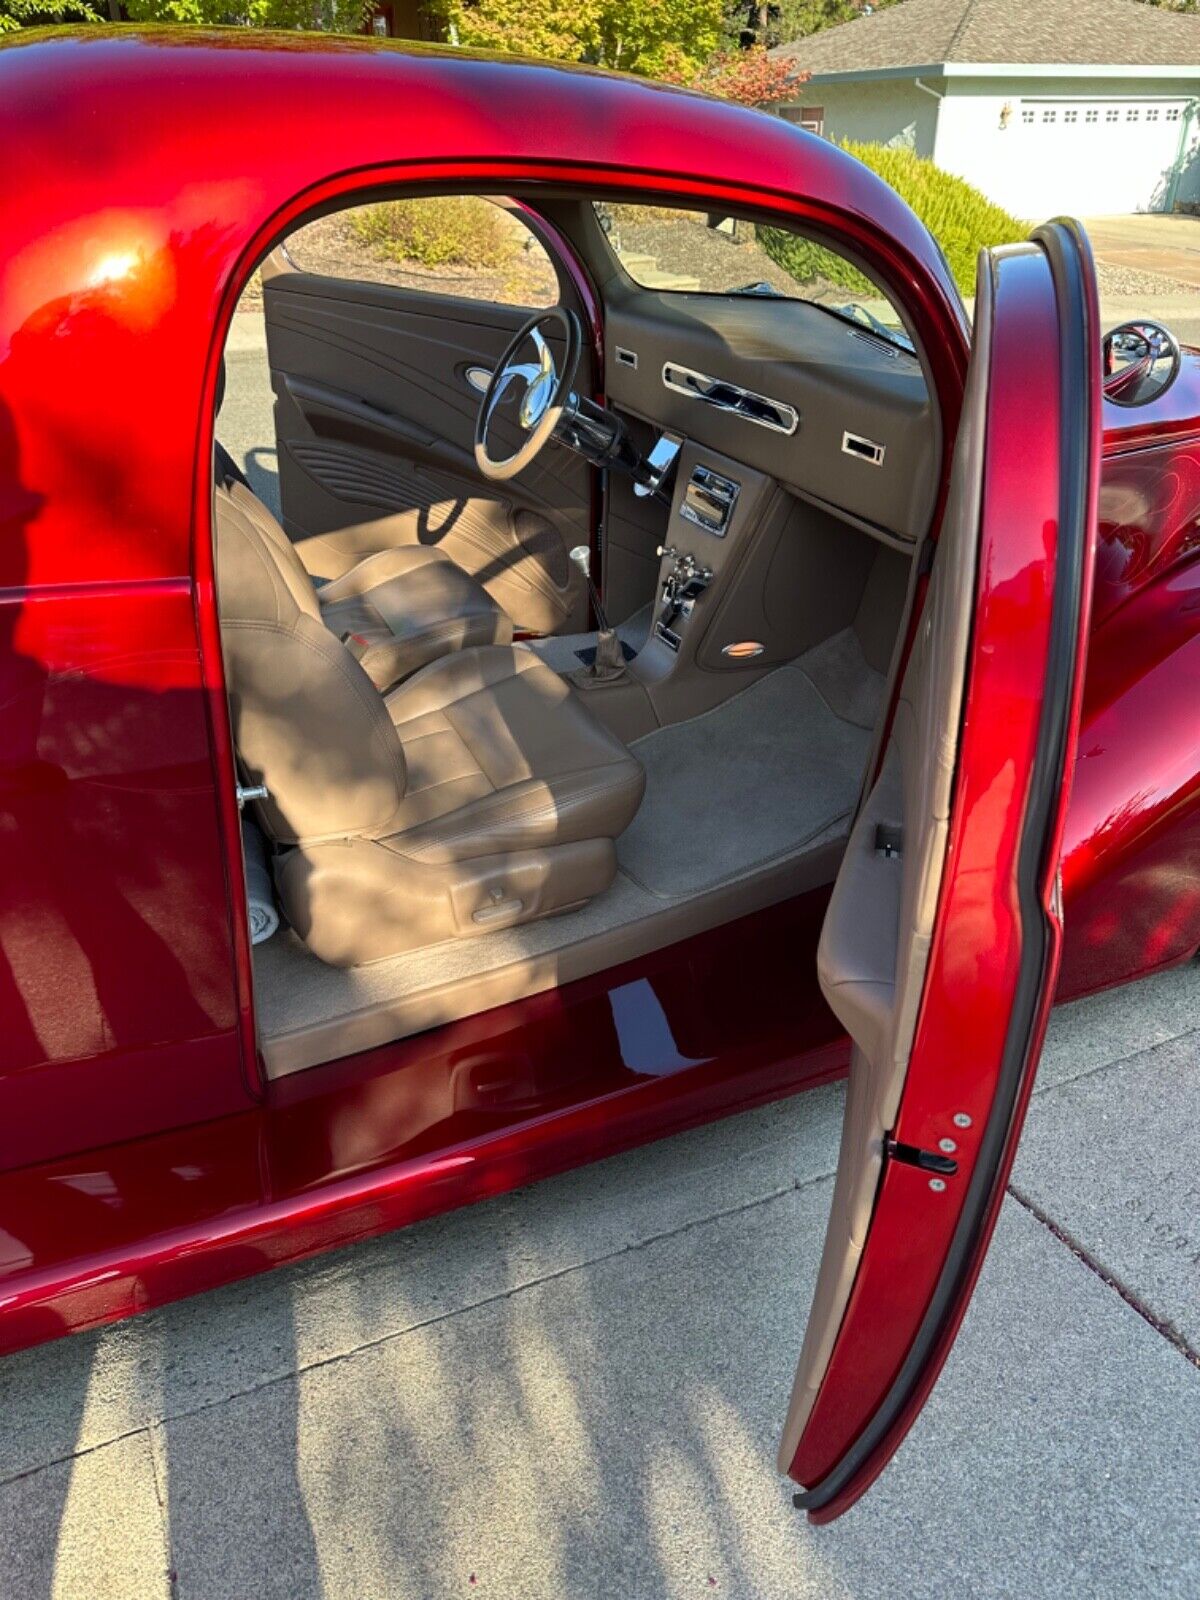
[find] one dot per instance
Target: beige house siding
(893, 112)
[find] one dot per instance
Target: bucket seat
(395, 611)
(479, 794)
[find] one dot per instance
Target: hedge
(961, 219)
(445, 230)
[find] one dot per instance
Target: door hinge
(913, 1156)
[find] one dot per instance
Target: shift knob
(582, 557)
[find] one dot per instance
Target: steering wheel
(541, 400)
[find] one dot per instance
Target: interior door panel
(375, 418)
(940, 948)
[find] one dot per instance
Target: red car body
(144, 1155)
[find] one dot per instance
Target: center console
(718, 516)
(735, 594)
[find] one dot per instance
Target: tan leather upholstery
(396, 610)
(479, 794)
(875, 942)
(411, 605)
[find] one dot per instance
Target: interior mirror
(1141, 362)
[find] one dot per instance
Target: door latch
(253, 791)
(913, 1156)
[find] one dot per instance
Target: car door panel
(375, 417)
(940, 948)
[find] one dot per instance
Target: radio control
(708, 500)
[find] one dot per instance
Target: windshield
(681, 251)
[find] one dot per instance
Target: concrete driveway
(1154, 242)
(574, 1392)
(1149, 266)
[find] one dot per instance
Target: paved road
(574, 1392)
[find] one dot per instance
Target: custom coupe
(647, 682)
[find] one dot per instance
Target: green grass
(962, 220)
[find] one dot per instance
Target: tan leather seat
(479, 794)
(396, 610)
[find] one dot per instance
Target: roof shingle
(919, 33)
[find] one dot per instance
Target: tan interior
(477, 795)
(455, 822)
(872, 968)
(375, 422)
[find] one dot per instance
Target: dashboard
(835, 412)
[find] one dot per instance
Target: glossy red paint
(975, 962)
(1173, 415)
(1131, 852)
(370, 1143)
(125, 1007)
(120, 274)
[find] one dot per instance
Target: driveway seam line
(153, 1423)
(1165, 1329)
(164, 1514)
(1117, 1061)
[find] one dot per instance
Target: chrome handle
(760, 408)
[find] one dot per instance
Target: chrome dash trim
(725, 396)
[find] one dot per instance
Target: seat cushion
(503, 755)
(402, 608)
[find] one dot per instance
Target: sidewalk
(574, 1392)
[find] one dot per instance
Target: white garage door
(1096, 156)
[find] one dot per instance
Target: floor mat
(760, 777)
(756, 786)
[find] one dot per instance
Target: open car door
(941, 945)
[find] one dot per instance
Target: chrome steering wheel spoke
(544, 391)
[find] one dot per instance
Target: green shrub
(961, 219)
(446, 230)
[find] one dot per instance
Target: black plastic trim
(1068, 253)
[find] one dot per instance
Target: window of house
(810, 118)
(1152, 115)
(1132, 114)
(1091, 116)
(1027, 116)
(1173, 114)
(1049, 116)
(461, 245)
(1070, 116)
(682, 251)
(1112, 114)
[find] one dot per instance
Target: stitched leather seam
(490, 819)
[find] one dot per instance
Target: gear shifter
(608, 665)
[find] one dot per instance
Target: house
(1048, 106)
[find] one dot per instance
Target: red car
(696, 664)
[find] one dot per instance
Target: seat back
(307, 721)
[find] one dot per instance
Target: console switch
(685, 582)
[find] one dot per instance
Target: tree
(748, 77)
(16, 14)
(333, 16)
(653, 37)
(781, 21)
